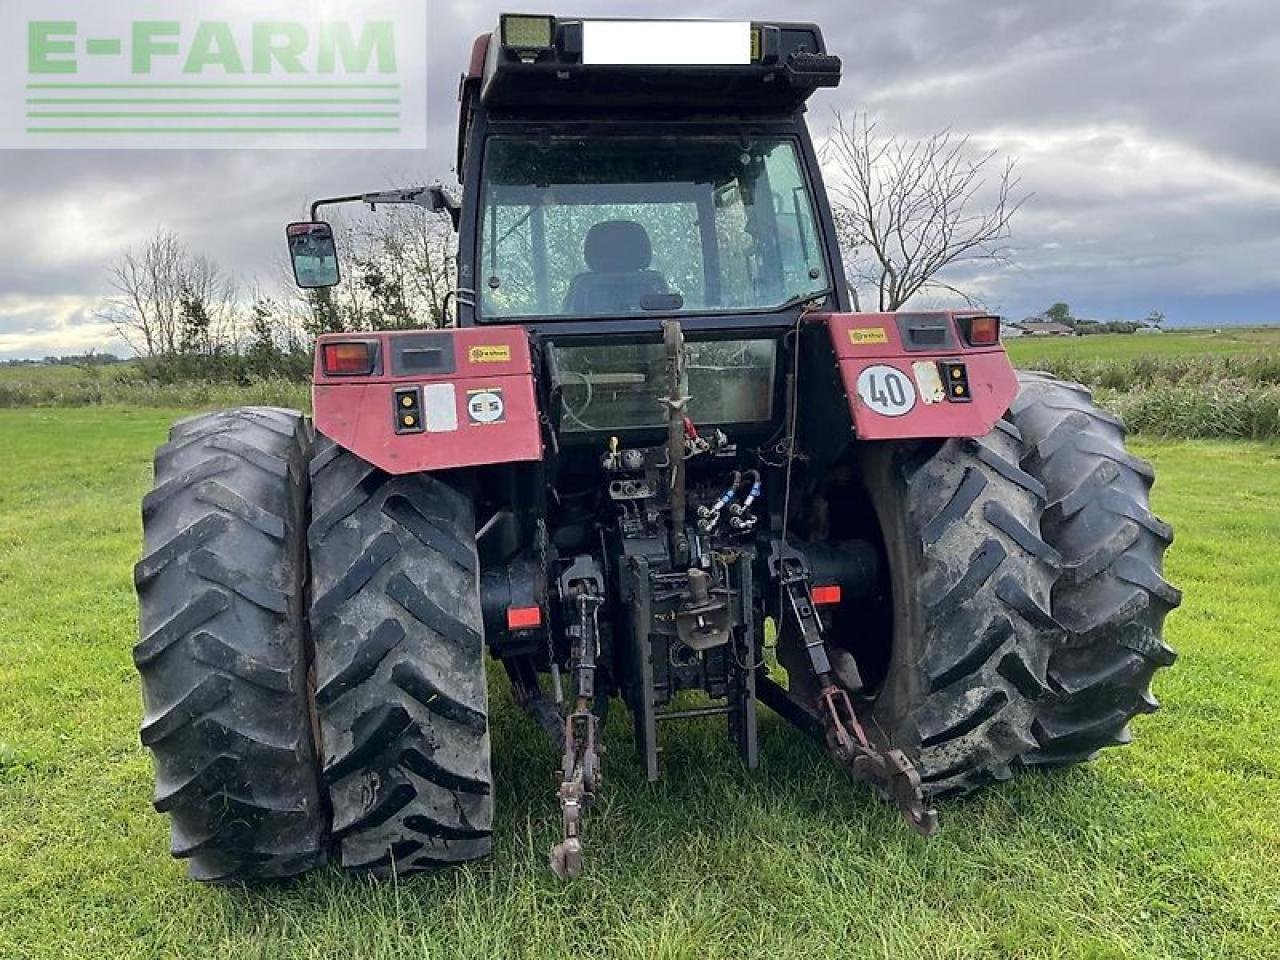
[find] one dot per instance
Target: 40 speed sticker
(886, 390)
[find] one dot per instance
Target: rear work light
(527, 36)
(980, 331)
(354, 358)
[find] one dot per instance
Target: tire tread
(1112, 598)
(401, 698)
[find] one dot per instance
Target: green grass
(1231, 340)
(1165, 849)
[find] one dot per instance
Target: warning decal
(491, 353)
(860, 336)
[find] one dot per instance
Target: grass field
(1165, 849)
(1175, 343)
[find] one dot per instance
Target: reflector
(523, 618)
(350, 359)
(826, 595)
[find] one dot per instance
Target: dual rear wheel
(1028, 592)
(283, 735)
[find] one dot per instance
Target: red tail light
(353, 358)
(980, 331)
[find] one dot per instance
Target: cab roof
(600, 68)
(741, 65)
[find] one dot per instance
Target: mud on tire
(971, 578)
(400, 690)
(1112, 597)
(222, 652)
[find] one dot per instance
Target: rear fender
(892, 368)
(476, 403)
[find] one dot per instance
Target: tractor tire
(971, 579)
(401, 691)
(223, 651)
(1112, 597)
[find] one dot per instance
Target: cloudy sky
(1147, 131)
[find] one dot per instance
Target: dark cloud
(1146, 130)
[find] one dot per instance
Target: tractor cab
(620, 173)
(638, 223)
(638, 169)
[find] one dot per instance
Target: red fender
(916, 404)
(475, 391)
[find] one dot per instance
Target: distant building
(1148, 330)
(1045, 328)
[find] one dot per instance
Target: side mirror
(314, 255)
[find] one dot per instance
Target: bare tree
(146, 307)
(408, 258)
(170, 301)
(210, 307)
(347, 307)
(906, 210)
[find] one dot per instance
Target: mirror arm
(431, 198)
(329, 202)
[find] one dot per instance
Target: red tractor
(654, 458)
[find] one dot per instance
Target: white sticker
(666, 43)
(440, 407)
(886, 390)
(929, 381)
(486, 406)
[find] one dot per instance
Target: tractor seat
(618, 254)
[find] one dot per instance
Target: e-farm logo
(83, 74)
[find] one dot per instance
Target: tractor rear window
(604, 226)
(622, 386)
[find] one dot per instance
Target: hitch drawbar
(891, 773)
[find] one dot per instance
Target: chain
(580, 773)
